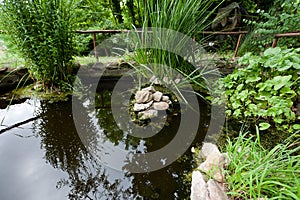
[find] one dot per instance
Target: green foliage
(265, 89)
(284, 16)
(42, 30)
(255, 172)
(187, 18)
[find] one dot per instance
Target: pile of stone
(148, 102)
(208, 178)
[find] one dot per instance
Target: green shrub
(264, 90)
(255, 172)
(42, 30)
(284, 16)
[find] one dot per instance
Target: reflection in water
(87, 175)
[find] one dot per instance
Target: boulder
(157, 96)
(214, 163)
(160, 105)
(199, 187)
(142, 106)
(165, 99)
(143, 96)
(215, 190)
(149, 89)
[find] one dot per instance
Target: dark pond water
(44, 158)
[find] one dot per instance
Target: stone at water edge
(214, 162)
(208, 148)
(148, 114)
(215, 190)
(143, 96)
(165, 99)
(149, 89)
(199, 187)
(140, 106)
(157, 96)
(160, 105)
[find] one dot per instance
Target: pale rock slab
(215, 190)
(199, 187)
(165, 98)
(150, 89)
(157, 96)
(143, 96)
(214, 162)
(160, 105)
(140, 106)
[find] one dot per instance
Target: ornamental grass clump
(168, 27)
(256, 172)
(42, 31)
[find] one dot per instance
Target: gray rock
(208, 148)
(160, 105)
(157, 96)
(199, 187)
(216, 191)
(165, 99)
(149, 89)
(143, 96)
(142, 106)
(148, 114)
(214, 162)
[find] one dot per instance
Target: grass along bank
(255, 172)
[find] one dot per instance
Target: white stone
(142, 106)
(157, 96)
(165, 99)
(160, 105)
(150, 89)
(208, 148)
(143, 96)
(216, 191)
(199, 187)
(214, 163)
(148, 114)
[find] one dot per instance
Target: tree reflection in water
(90, 179)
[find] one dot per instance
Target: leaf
(272, 51)
(264, 126)
(253, 79)
(296, 126)
(280, 81)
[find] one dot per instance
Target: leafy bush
(284, 16)
(42, 30)
(255, 172)
(265, 89)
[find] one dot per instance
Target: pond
(44, 157)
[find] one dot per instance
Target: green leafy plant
(255, 172)
(265, 88)
(282, 17)
(42, 31)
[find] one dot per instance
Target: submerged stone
(148, 114)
